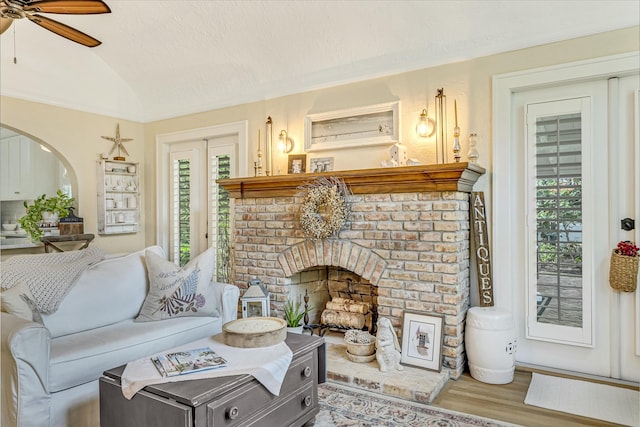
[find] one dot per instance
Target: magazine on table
(188, 361)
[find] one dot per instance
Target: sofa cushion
(18, 301)
(107, 292)
(82, 357)
(180, 292)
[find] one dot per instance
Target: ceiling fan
(18, 9)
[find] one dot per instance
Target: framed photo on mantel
(297, 163)
(321, 164)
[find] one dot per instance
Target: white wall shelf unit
(118, 197)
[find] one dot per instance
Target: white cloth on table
(268, 365)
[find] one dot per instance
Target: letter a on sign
(480, 233)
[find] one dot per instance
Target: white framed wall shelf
(118, 197)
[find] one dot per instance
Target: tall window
(183, 204)
(560, 267)
(182, 216)
(220, 168)
(558, 234)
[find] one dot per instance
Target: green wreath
(324, 210)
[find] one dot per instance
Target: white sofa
(50, 372)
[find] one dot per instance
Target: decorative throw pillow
(179, 292)
(18, 301)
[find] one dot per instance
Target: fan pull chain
(15, 56)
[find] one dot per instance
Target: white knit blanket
(50, 277)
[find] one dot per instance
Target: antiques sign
(480, 233)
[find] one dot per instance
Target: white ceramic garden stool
(490, 342)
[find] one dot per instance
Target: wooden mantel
(405, 179)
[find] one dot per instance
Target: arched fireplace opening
(337, 298)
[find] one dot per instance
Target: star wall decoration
(118, 143)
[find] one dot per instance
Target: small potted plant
(623, 272)
(52, 207)
(293, 315)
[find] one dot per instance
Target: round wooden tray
(254, 332)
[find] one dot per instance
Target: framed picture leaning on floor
(422, 340)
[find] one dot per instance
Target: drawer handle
(307, 401)
(307, 372)
(232, 413)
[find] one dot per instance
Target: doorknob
(627, 224)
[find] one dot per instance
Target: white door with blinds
(194, 211)
(573, 176)
(564, 181)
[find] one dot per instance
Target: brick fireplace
(405, 247)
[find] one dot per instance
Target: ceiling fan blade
(64, 30)
(68, 7)
(5, 23)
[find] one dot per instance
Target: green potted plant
(293, 314)
(57, 205)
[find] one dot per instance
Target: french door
(571, 167)
(195, 211)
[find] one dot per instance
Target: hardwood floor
(505, 403)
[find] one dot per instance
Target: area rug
(343, 406)
(584, 398)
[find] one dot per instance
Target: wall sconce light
(426, 126)
(285, 144)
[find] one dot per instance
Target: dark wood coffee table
(238, 400)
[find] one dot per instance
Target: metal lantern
(255, 301)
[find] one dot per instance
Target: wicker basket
(623, 273)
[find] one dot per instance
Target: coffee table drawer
(301, 371)
(295, 409)
(238, 406)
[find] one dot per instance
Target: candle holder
(473, 152)
(441, 123)
(258, 165)
(456, 134)
(456, 144)
(267, 146)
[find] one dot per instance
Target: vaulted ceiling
(161, 59)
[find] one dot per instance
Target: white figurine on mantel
(398, 153)
(397, 156)
(387, 346)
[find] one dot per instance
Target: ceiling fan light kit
(11, 10)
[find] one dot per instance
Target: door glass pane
(181, 211)
(221, 216)
(558, 194)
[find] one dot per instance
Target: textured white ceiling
(162, 59)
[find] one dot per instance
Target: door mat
(584, 398)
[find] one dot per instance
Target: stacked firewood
(346, 313)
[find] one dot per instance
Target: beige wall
(76, 135)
